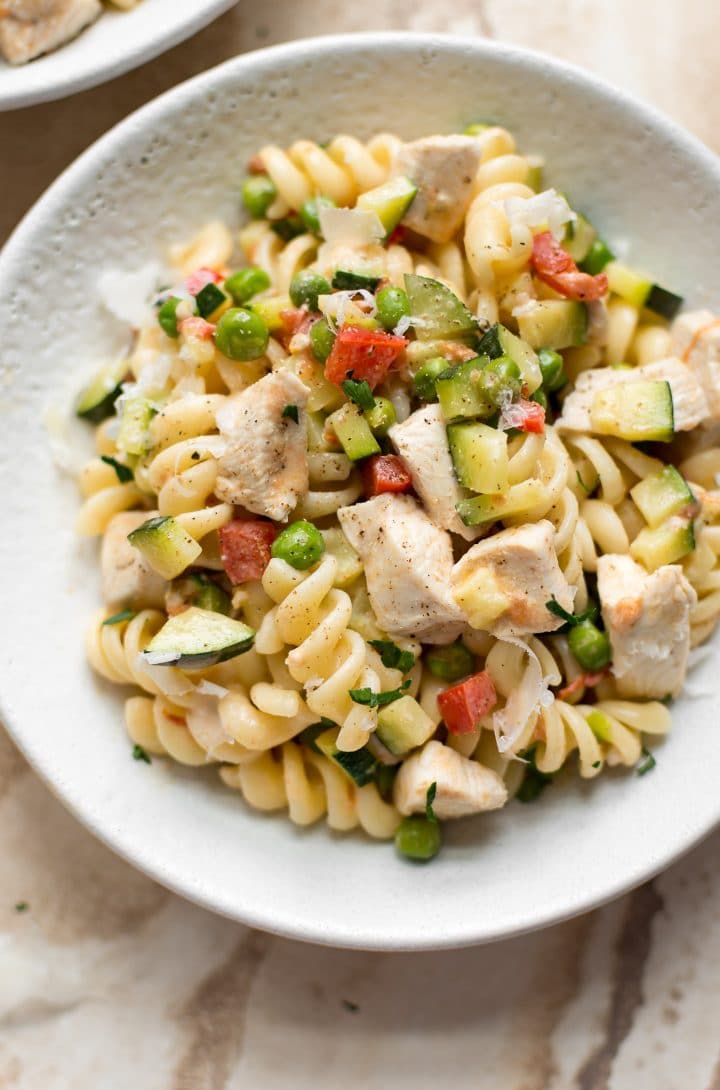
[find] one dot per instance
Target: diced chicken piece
(265, 468)
(647, 617)
(690, 405)
(503, 584)
(696, 340)
(31, 27)
(443, 168)
(127, 578)
(463, 786)
(422, 442)
(407, 563)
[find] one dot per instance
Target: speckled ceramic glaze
(154, 179)
(115, 43)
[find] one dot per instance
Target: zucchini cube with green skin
(198, 638)
(499, 341)
(97, 400)
(481, 509)
(665, 544)
(554, 323)
(436, 311)
(640, 291)
(635, 411)
(389, 201)
(134, 436)
(360, 765)
(166, 545)
(354, 432)
(662, 495)
(480, 456)
(461, 390)
(404, 725)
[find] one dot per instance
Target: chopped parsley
(350, 1006)
(139, 754)
(359, 391)
(22, 906)
(124, 473)
(290, 412)
(429, 800)
(118, 618)
(571, 619)
(647, 764)
(378, 700)
(534, 782)
(195, 456)
(392, 656)
(596, 764)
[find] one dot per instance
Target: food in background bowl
(31, 28)
(415, 508)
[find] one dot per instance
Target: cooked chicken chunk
(31, 27)
(503, 584)
(463, 786)
(407, 564)
(443, 168)
(696, 340)
(647, 617)
(690, 405)
(265, 468)
(422, 442)
(127, 578)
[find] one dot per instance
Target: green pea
(241, 335)
(597, 257)
(322, 339)
(306, 286)
(589, 645)
(418, 839)
(310, 213)
(392, 305)
(426, 377)
(450, 663)
(381, 417)
(168, 318)
(551, 368)
(301, 545)
(541, 398)
(245, 283)
(258, 193)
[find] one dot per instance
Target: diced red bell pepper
(557, 269)
(397, 235)
(363, 353)
(245, 548)
(464, 705)
(525, 416)
(385, 473)
(196, 327)
(197, 280)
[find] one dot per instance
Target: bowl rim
(578, 901)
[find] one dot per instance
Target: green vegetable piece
(579, 237)
(389, 201)
(477, 127)
(269, 310)
(451, 662)
(310, 213)
(122, 472)
(393, 656)
(385, 780)
(208, 299)
(551, 367)
(571, 619)
(288, 228)
(636, 411)
(353, 432)
(133, 436)
(429, 800)
(310, 735)
(22, 906)
(661, 495)
(258, 193)
(166, 545)
(241, 335)
(377, 700)
(499, 341)
(359, 392)
(648, 762)
(290, 412)
(245, 283)
(118, 618)
(305, 288)
(554, 323)
(97, 400)
(345, 280)
(381, 417)
(533, 784)
(139, 754)
(322, 339)
(197, 638)
(418, 839)
(426, 377)
(436, 310)
(392, 305)
(212, 597)
(167, 317)
(597, 257)
(590, 646)
(301, 545)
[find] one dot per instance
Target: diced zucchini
(481, 598)
(167, 547)
(519, 498)
(97, 400)
(198, 590)
(349, 564)
(270, 309)
(353, 431)
(318, 438)
(499, 341)
(345, 280)
(197, 638)
(460, 390)
(664, 544)
(389, 201)
(641, 292)
(579, 237)
(662, 495)
(636, 411)
(134, 436)
(480, 456)
(210, 299)
(403, 725)
(597, 257)
(554, 323)
(436, 311)
(360, 765)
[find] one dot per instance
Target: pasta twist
(341, 170)
(115, 652)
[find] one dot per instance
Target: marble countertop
(108, 981)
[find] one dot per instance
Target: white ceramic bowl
(115, 43)
(155, 178)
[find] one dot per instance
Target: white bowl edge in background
(153, 179)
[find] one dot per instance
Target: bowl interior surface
(154, 180)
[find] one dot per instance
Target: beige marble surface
(107, 981)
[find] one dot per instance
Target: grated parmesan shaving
(548, 209)
(531, 694)
(127, 295)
